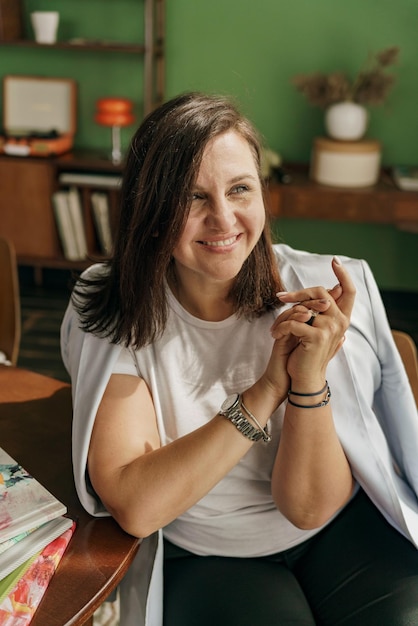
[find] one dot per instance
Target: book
(109, 181)
(31, 544)
(406, 177)
(76, 216)
(25, 504)
(101, 215)
(19, 603)
(65, 225)
(9, 582)
(5, 545)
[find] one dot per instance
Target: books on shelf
(76, 216)
(69, 219)
(64, 225)
(406, 177)
(23, 589)
(108, 181)
(68, 211)
(70, 223)
(34, 533)
(101, 215)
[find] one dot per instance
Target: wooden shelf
(382, 203)
(98, 46)
(87, 160)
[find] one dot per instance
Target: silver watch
(231, 409)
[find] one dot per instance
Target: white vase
(346, 121)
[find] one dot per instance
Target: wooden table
(35, 429)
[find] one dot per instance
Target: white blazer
(375, 416)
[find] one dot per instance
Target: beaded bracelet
(324, 402)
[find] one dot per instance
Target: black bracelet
(306, 395)
(324, 402)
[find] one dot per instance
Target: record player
(39, 116)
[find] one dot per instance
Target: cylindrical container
(45, 26)
(345, 163)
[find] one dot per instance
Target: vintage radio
(39, 115)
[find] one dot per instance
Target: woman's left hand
(312, 346)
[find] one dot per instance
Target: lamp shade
(114, 112)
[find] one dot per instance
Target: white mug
(45, 26)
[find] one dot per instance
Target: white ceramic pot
(346, 121)
(45, 26)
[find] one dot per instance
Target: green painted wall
(251, 50)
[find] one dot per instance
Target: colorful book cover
(24, 503)
(18, 607)
(9, 582)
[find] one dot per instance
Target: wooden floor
(43, 309)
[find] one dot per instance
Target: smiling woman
(226, 219)
(203, 414)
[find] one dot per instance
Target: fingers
(346, 300)
(343, 293)
(298, 313)
(336, 292)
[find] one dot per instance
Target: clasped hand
(302, 351)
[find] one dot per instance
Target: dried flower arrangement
(370, 87)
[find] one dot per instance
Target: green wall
(251, 50)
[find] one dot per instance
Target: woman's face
(227, 214)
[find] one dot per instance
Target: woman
(203, 359)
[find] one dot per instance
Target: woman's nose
(222, 214)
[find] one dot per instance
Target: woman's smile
(221, 243)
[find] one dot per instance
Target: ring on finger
(313, 315)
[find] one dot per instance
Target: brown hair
(128, 303)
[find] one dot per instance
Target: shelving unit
(27, 217)
(382, 203)
(28, 183)
(152, 50)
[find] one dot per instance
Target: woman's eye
(197, 196)
(240, 189)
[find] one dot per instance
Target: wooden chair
(408, 351)
(10, 323)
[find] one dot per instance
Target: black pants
(358, 571)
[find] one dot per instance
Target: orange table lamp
(115, 112)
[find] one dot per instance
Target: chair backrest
(10, 324)
(408, 351)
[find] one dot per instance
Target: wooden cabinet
(382, 203)
(25, 216)
(26, 211)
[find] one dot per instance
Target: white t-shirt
(190, 370)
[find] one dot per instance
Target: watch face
(229, 402)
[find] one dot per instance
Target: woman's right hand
(276, 378)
